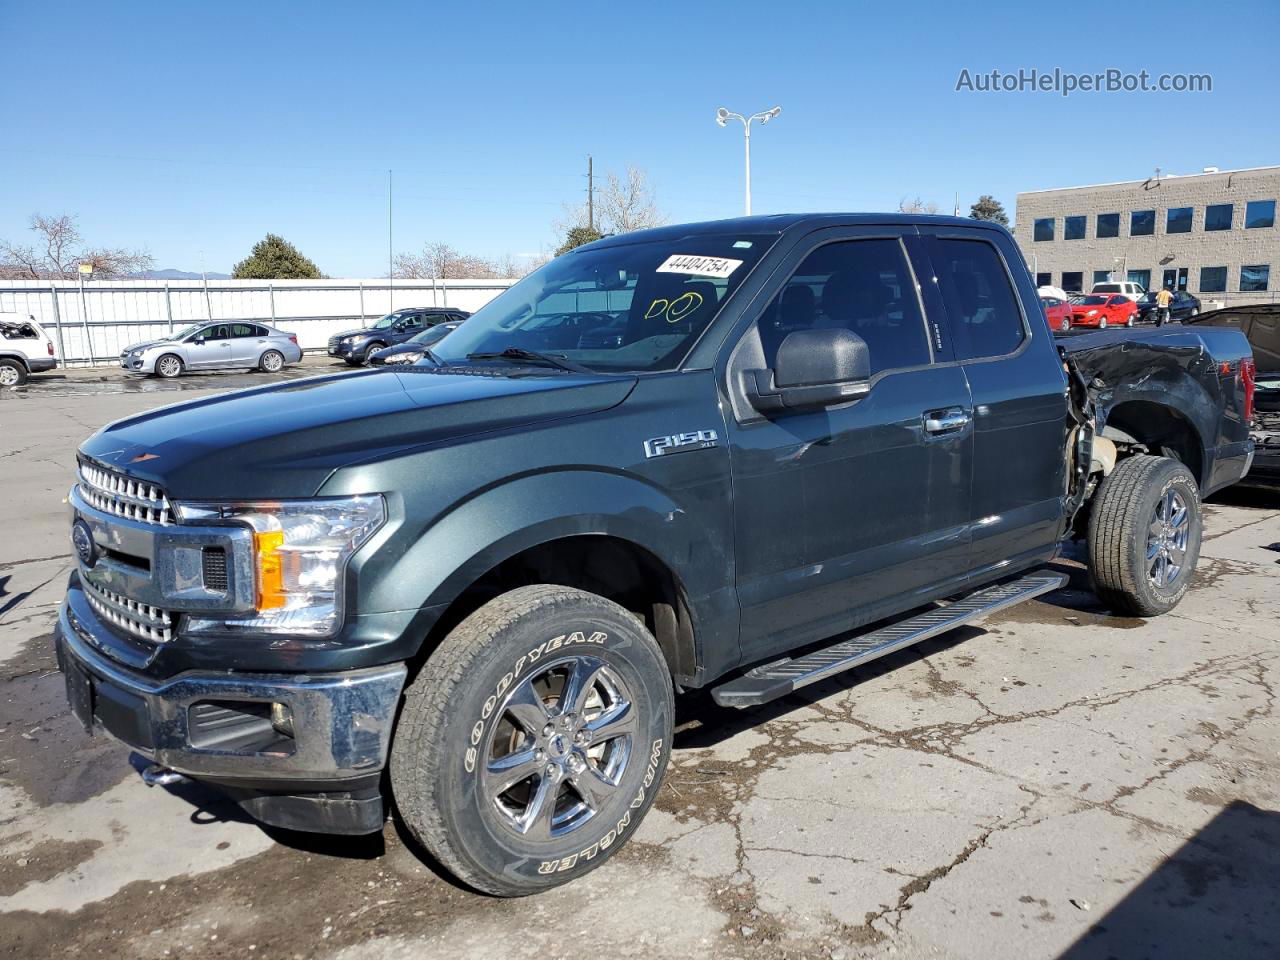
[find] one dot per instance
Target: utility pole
(591, 197)
(391, 307)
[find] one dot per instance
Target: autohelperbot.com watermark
(1066, 82)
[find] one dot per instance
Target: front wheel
(169, 366)
(1102, 324)
(533, 740)
(1144, 535)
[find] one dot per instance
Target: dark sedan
(355, 346)
(413, 349)
(1183, 307)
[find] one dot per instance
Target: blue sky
(194, 130)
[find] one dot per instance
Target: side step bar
(772, 680)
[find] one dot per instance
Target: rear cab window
(986, 320)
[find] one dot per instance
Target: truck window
(861, 285)
(980, 300)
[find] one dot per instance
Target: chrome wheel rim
(559, 748)
(1167, 539)
(8, 376)
(272, 362)
(168, 367)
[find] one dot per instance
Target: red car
(1102, 310)
(1058, 313)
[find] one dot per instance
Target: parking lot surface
(1053, 782)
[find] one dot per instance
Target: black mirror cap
(808, 357)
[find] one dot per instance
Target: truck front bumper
(295, 750)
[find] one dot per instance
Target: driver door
(210, 348)
(848, 513)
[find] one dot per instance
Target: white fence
(94, 321)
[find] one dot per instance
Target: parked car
(1058, 313)
(355, 346)
(1126, 288)
(413, 349)
(1184, 306)
(478, 584)
(1103, 310)
(24, 349)
(220, 345)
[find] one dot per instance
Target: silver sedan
(222, 345)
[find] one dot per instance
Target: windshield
(632, 307)
(432, 334)
(185, 332)
(1094, 301)
(390, 319)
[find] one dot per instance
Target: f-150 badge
(680, 442)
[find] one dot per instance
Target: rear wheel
(272, 361)
(1144, 535)
(169, 366)
(12, 373)
(533, 740)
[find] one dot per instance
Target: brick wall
(1232, 248)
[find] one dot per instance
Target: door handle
(946, 421)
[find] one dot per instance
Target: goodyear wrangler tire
(1144, 536)
(533, 740)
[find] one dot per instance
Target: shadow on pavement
(1217, 896)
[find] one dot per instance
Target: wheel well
(610, 567)
(16, 356)
(1161, 429)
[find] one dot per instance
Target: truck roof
(780, 223)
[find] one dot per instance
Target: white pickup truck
(24, 349)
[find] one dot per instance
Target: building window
(1141, 277)
(1072, 282)
(1178, 220)
(1044, 229)
(1108, 225)
(1044, 279)
(1142, 223)
(1254, 278)
(1101, 276)
(1217, 216)
(1213, 279)
(1259, 213)
(1073, 228)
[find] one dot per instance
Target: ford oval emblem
(82, 540)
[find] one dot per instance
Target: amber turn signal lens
(270, 593)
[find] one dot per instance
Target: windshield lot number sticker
(695, 266)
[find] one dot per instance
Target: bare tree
(917, 206)
(440, 261)
(59, 249)
(622, 204)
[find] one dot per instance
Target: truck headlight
(300, 554)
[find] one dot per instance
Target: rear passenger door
(1018, 387)
(845, 513)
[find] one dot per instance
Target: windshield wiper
(557, 360)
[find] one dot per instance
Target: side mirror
(198, 341)
(814, 368)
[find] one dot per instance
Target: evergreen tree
(577, 236)
(989, 208)
(275, 258)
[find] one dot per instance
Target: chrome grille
(121, 495)
(333, 343)
(140, 620)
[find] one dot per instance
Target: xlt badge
(680, 442)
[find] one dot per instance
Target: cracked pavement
(1050, 782)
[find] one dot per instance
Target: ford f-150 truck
(474, 584)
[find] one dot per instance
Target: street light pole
(722, 116)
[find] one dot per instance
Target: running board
(772, 680)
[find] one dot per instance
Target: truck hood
(285, 440)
